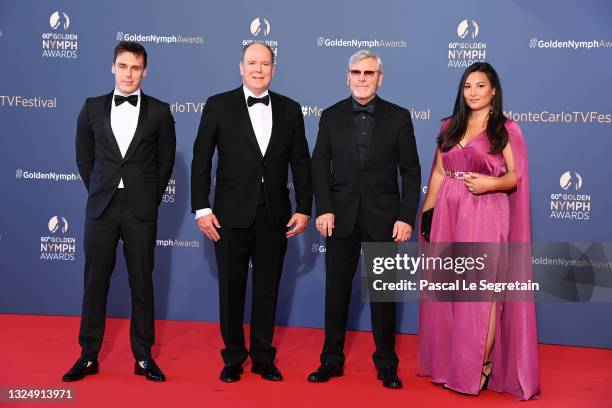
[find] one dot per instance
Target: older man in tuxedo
(258, 135)
(362, 142)
(125, 147)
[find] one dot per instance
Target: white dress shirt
(124, 119)
(261, 120)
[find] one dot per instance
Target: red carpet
(37, 350)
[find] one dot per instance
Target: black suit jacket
(226, 126)
(342, 183)
(146, 167)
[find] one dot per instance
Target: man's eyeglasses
(358, 73)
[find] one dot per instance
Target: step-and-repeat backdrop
(554, 59)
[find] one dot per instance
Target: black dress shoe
(389, 377)
(231, 372)
(325, 372)
(268, 371)
(80, 369)
(150, 371)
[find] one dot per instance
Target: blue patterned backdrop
(554, 59)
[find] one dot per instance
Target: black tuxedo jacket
(226, 126)
(146, 167)
(342, 183)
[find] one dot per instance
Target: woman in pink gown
(479, 187)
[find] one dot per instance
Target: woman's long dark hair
(498, 136)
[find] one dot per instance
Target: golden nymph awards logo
(570, 204)
(59, 43)
(57, 246)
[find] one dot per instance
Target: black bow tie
(252, 101)
(132, 99)
(363, 109)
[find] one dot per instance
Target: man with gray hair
(362, 142)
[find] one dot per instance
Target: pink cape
(452, 336)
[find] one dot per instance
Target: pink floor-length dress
(452, 336)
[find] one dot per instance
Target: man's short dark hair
(133, 47)
(246, 47)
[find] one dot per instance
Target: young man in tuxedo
(125, 146)
(362, 142)
(258, 135)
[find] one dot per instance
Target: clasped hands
(478, 183)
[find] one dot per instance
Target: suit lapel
(107, 124)
(142, 120)
(380, 117)
(242, 113)
(277, 108)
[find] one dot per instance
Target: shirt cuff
(202, 212)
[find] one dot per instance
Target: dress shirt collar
(118, 92)
(368, 107)
(248, 93)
